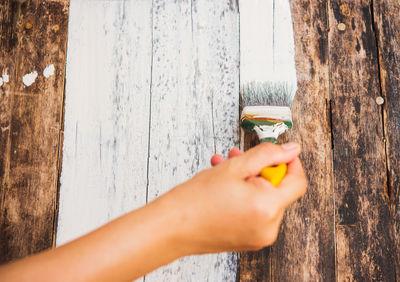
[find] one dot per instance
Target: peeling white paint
(6, 78)
(29, 79)
(49, 71)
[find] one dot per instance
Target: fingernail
(290, 146)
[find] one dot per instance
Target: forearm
(122, 250)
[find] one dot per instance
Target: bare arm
(226, 208)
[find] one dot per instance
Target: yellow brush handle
(274, 174)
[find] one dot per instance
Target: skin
(225, 208)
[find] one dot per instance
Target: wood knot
(28, 25)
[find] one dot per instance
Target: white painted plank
(104, 170)
(194, 108)
(267, 64)
(194, 111)
(216, 33)
(284, 56)
(256, 40)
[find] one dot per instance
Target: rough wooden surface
(151, 95)
(152, 92)
(305, 247)
(361, 241)
(33, 36)
(363, 225)
(387, 28)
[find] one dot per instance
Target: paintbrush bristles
(267, 93)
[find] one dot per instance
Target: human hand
(225, 208)
(229, 207)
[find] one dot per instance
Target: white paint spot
(6, 78)
(49, 71)
(29, 79)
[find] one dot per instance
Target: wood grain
(363, 225)
(305, 248)
(194, 109)
(107, 104)
(152, 92)
(151, 95)
(30, 124)
(387, 27)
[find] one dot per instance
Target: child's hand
(231, 208)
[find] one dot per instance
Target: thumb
(266, 154)
(294, 185)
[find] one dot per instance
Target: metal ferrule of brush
(270, 133)
(268, 122)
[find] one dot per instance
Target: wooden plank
(106, 133)
(7, 69)
(305, 248)
(255, 265)
(387, 25)
(36, 38)
(363, 226)
(8, 49)
(194, 108)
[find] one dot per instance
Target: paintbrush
(268, 80)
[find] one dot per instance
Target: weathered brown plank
(6, 67)
(253, 265)
(8, 48)
(364, 247)
(387, 26)
(29, 183)
(305, 249)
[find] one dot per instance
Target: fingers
(234, 153)
(260, 182)
(294, 185)
(217, 159)
(266, 154)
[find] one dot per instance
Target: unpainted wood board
(387, 26)
(305, 249)
(35, 36)
(7, 51)
(104, 172)
(363, 242)
(7, 67)
(194, 108)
